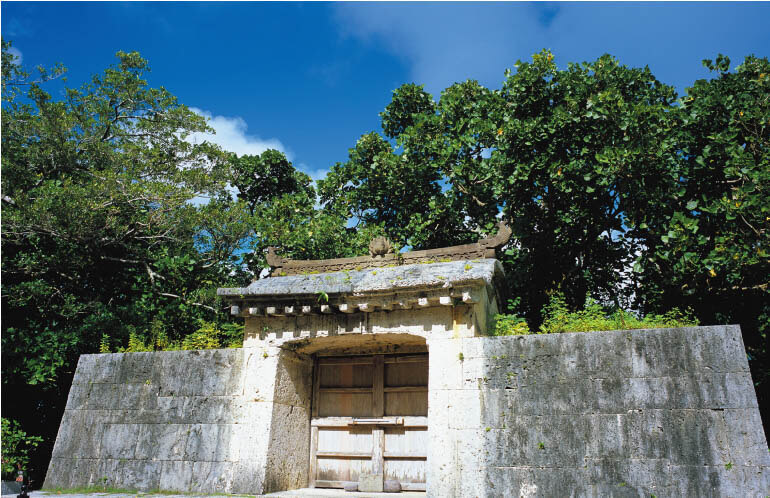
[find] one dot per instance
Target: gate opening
(369, 421)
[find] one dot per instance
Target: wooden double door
(369, 420)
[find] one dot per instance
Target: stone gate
(386, 377)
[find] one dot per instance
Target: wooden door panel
(406, 403)
(351, 397)
(411, 373)
(405, 471)
(334, 472)
(342, 454)
(342, 375)
(406, 455)
(345, 440)
(340, 404)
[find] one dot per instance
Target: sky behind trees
(310, 78)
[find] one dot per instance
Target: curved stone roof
(376, 280)
(397, 287)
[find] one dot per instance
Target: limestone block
(289, 436)
(248, 477)
(445, 365)
(464, 409)
(138, 368)
(141, 474)
(105, 368)
(293, 380)
(608, 436)
(253, 427)
(718, 348)
(85, 371)
(260, 366)
(212, 477)
(119, 441)
(370, 483)
(172, 409)
(107, 472)
(202, 441)
(137, 396)
(81, 472)
(669, 352)
(222, 371)
(104, 396)
(744, 437)
(176, 476)
(696, 437)
(209, 409)
(175, 372)
(78, 397)
(58, 475)
(79, 435)
(438, 408)
(162, 441)
(228, 448)
(557, 441)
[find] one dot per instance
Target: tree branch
(188, 302)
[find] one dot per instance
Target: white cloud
(231, 134)
(16, 53)
(443, 43)
(315, 174)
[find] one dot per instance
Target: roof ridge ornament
(381, 254)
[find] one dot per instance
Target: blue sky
(310, 78)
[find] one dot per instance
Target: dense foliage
(117, 229)
(558, 318)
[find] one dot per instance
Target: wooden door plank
(343, 454)
(405, 389)
(313, 451)
(352, 360)
(347, 389)
(378, 383)
(316, 386)
(378, 451)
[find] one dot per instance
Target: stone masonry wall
(192, 421)
(669, 412)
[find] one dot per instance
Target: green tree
(287, 219)
(710, 250)
(103, 228)
(264, 177)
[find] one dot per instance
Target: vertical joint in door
(316, 385)
(313, 462)
(378, 386)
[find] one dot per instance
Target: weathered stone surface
(381, 279)
(370, 483)
(626, 413)
(668, 412)
(391, 486)
(184, 421)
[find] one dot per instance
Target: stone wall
(194, 421)
(668, 412)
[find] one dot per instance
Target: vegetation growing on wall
(558, 318)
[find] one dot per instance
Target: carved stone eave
(484, 248)
(386, 289)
